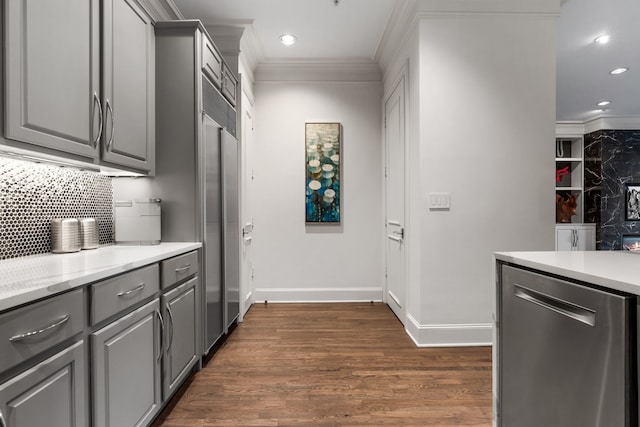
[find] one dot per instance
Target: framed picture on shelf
(632, 202)
(323, 148)
(630, 242)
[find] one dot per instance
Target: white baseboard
(455, 335)
(248, 300)
(318, 294)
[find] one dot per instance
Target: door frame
(401, 80)
(246, 112)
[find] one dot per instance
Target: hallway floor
(348, 364)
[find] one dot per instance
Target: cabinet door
(183, 328)
(565, 239)
(126, 369)
(585, 239)
(229, 85)
(49, 394)
(52, 75)
(211, 61)
(129, 85)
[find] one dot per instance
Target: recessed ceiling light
(619, 70)
(287, 39)
(603, 103)
(603, 39)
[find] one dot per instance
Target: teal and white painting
(323, 143)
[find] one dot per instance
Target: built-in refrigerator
(197, 170)
(221, 245)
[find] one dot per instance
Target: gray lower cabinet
(126, 369)
(180, 308)
(51, 393)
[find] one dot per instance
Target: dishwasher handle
(560, 306)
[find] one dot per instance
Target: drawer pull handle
(56, 324)
(181, 269)
(131, 291)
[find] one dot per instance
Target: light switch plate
(438, 201)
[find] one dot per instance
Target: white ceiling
(583, 66)
(353, 30)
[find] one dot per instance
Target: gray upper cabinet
(229, 85)
(129, 85)
(52, 74)
(80, 81)
(211, 62)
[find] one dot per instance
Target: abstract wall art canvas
(323, 144)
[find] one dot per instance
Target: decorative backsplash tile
(32, 194)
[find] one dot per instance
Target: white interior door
(246, 267)
(395, 201)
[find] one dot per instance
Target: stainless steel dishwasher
(566, 353)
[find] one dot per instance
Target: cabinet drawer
(178, 268)
(211, 62)
(30, 330)
(114, 295)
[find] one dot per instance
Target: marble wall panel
(619, 165)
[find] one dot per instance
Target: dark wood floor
(334, 365)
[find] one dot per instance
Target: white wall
(295, 262)
(487, 123)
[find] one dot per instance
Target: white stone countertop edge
(619, 270)
(27, 279)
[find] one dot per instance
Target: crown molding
(318, 70)
(226, 37)
(237, 37)
(569, 128)
(161, 10)
(573, 128)
(401, 24)
(612, 123)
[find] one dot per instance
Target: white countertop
(27, 279)
(618, 270)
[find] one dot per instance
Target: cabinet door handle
(161, 349)
(96, 99)
(181, 269)
(54, 325)
(170, 328)
(113, 121)
(131, 291)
